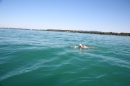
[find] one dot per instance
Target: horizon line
(59, 29)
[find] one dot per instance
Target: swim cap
(80, 44)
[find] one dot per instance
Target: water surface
(42, 58)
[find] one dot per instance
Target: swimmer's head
(80, 44)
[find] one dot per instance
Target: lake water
(43, 58)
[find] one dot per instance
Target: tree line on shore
(77, 31)
(91, 32)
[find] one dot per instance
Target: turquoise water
(42, 58)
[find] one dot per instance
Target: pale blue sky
(92, 15)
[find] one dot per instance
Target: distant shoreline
(75, 31)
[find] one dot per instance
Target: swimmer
(82, 46)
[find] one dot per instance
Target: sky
(88, 15)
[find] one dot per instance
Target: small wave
(25, 69)
(77, 80)
(99, 76)
(116, 61)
